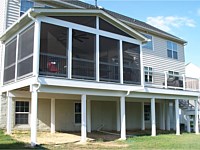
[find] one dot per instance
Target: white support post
(166, 79)
(89, 116)
(36, 48)
(177, 117)
(123, 118)
(53, 115)
(34, 108)
(9, 113)
(69, 66)
(153, 118)
(97, 50)
(196, 117)
(183, 81)
(118, 115)
(97, 58)
(163, 116)
(142, 117)
(188, 124)
(168, 116)
(142, 67)
(83, 119)
(121, 62)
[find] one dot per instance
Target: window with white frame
(173, 75)
(149, 44)
(77, 113)
(172, 50)
(21, 112)
(148, 74)
(147, 112)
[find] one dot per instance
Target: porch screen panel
(131, 63)
(109, 59)
(25, 52)
(83, 55)
(53, 50)
(9, 60)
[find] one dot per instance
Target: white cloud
(166, 23)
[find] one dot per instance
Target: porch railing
(56, 65)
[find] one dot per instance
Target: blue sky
(180, 18)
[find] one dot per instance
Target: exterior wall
(158, 59)
(192, 70)
(3, 112)
(65, 116)
(103, 114)
(13, 12)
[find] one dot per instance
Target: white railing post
(121, 62)
(165, 79)
(142, 67)
(199, 84)
(183, 81)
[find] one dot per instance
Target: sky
(180, 18)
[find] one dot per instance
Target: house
(71, 66)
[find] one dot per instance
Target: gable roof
(34, 12)
(134, 23)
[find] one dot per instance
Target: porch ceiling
(34, 12)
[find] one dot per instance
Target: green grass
(162, 141)
(169, 141)
(6, 142)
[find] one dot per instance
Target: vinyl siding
(13, 12)
(158, 59)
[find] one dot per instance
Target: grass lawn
(162, 141)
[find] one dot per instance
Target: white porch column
(123, 117)
(153, 118)
(168, 116)
(88, 115)
(34, 107)
(177, 117)
(188, 124)
(118, 115)
(9, 113)
(83, 118)
(196, 117)
(142, 117)
(53, 115)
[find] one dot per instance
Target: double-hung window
(148, 74)
(172, 51)
(147, 112)
(77, 113)
(173, 75)
(21, 112)
(149, 44)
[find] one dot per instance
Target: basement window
(77, 113)
(21, 112)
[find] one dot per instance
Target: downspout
(31, 17)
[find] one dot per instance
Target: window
(77, 113)
(172, 50)
(9, 61)
(53, 50)
(173, 75)
(149, 44)
(147, 112)
(25, 52)
(148, 74)
(25, 5)
(83, 55)
(21, 112)
(131, 63)
(109, 59)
